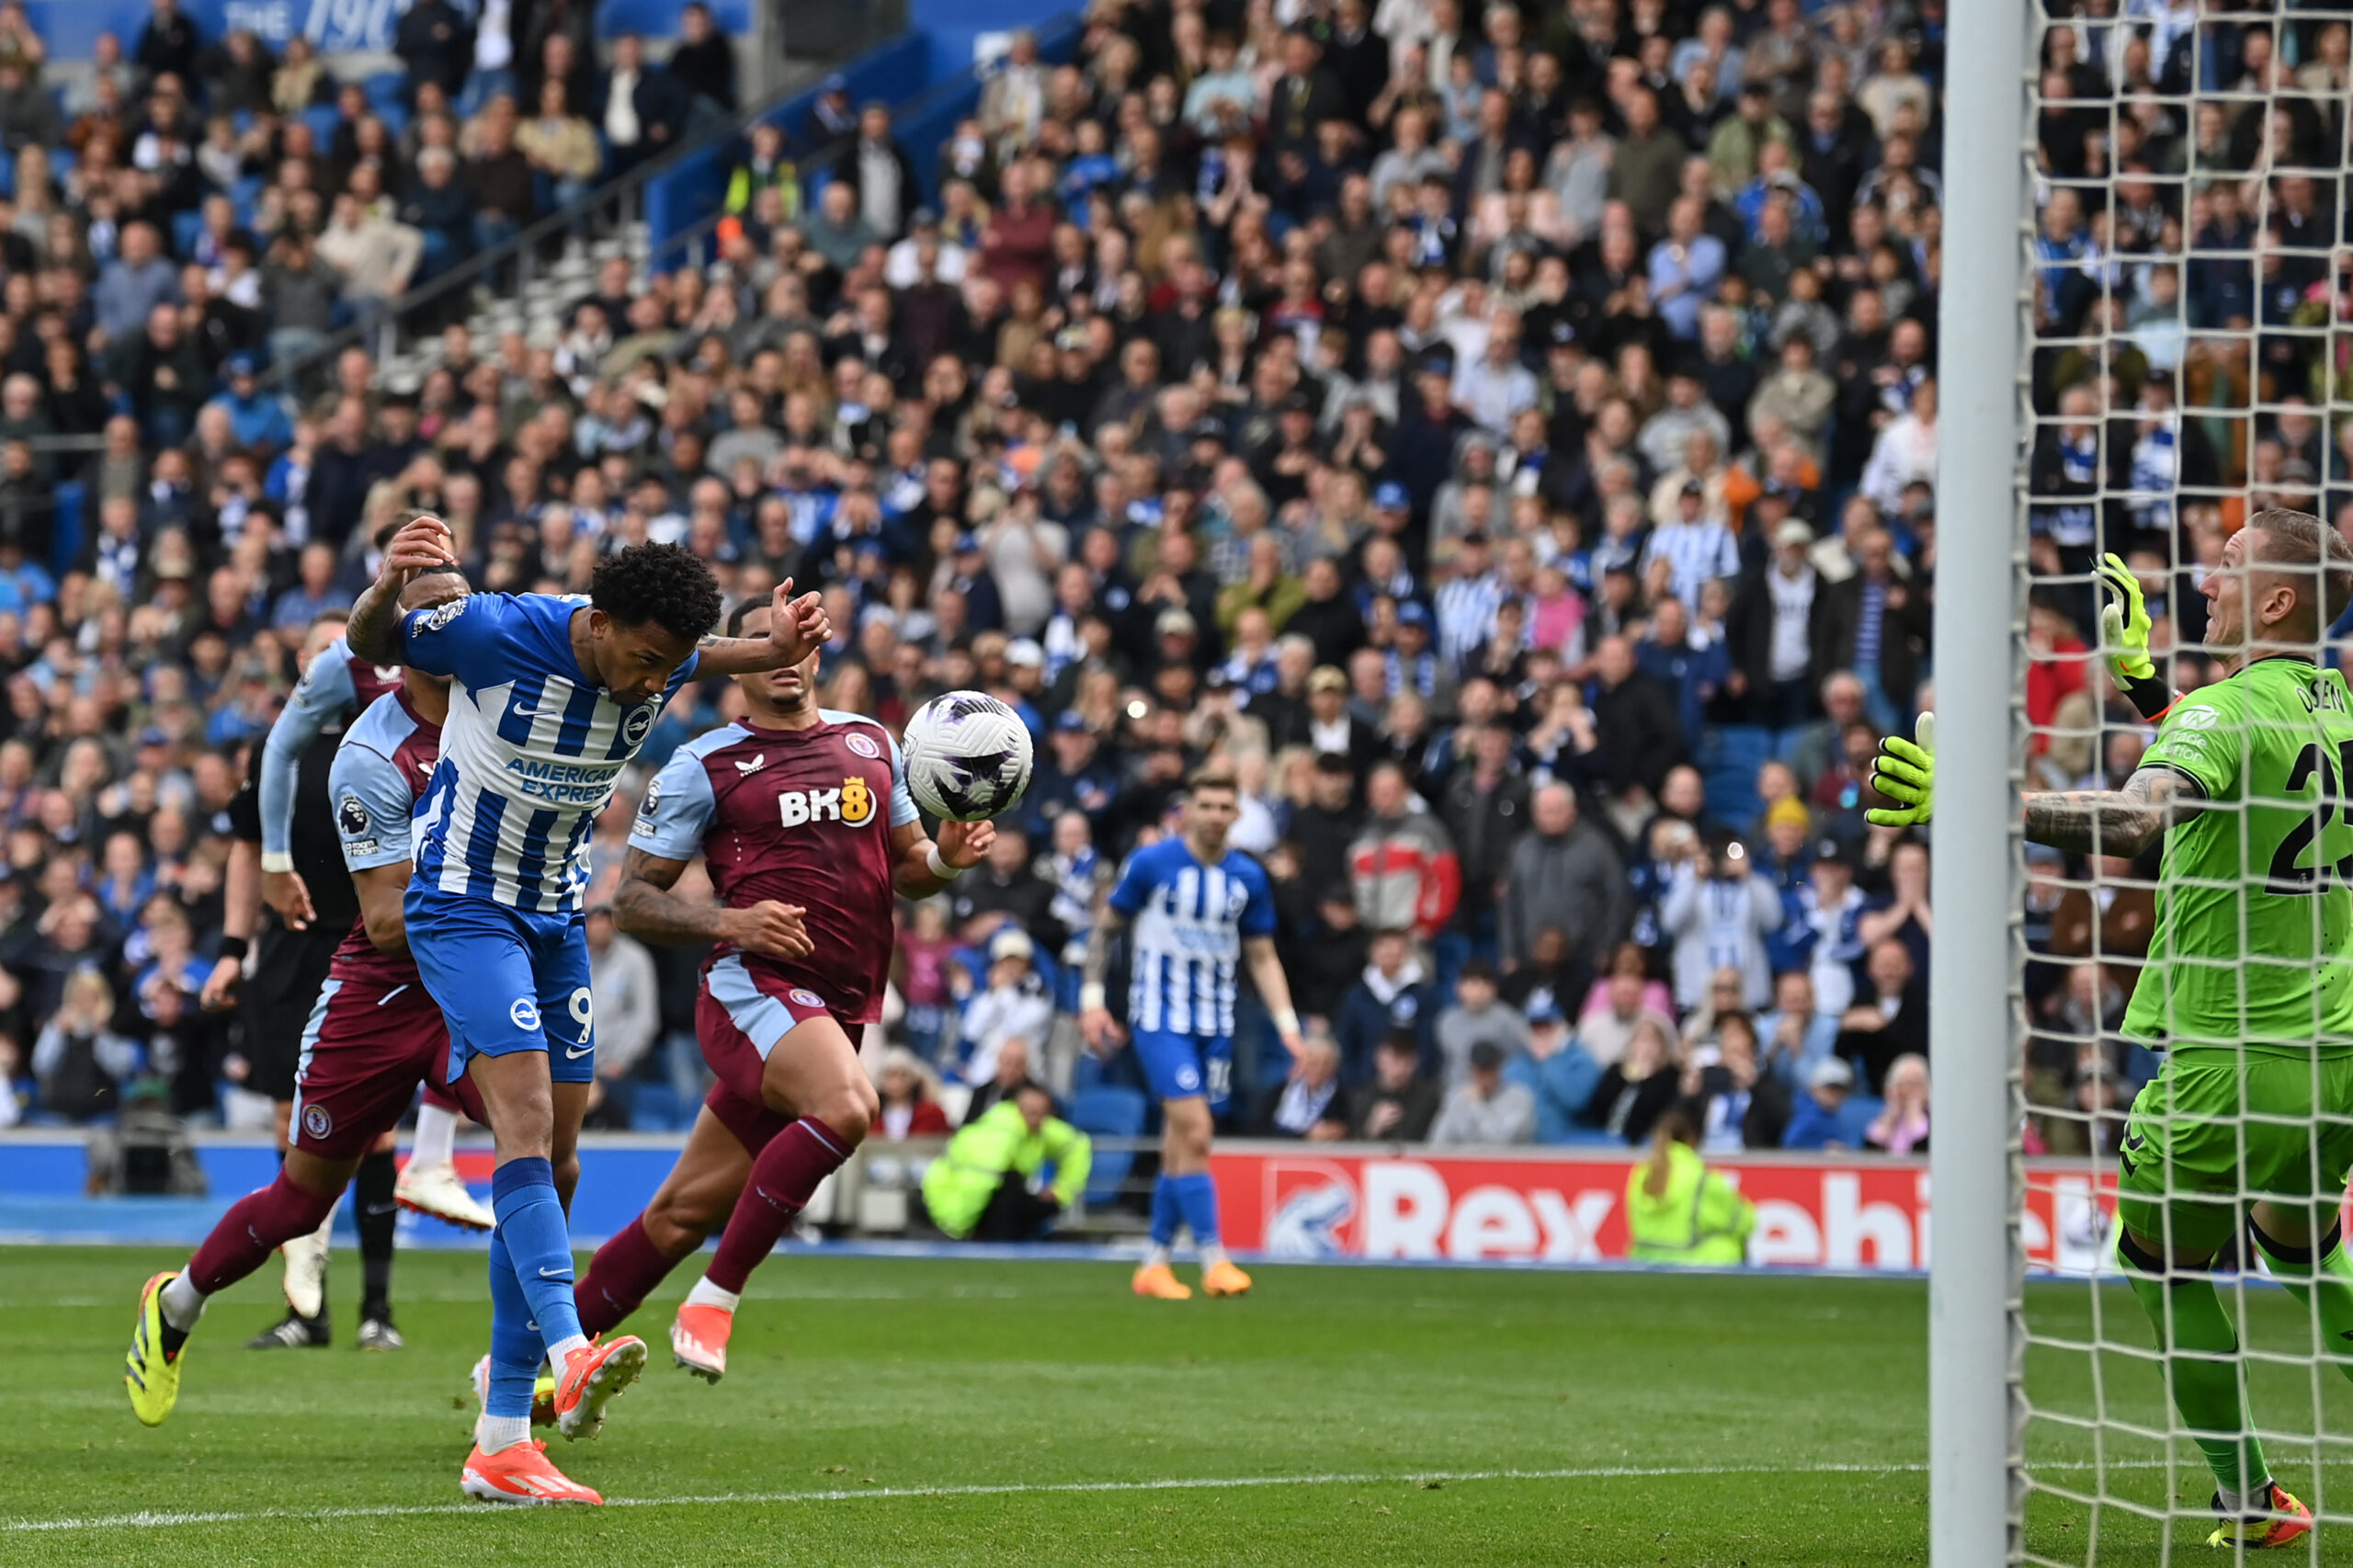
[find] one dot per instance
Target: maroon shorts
(365, 1050)
(740, 1017)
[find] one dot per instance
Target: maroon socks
(254, 1227)
(621, 1277)
(783, 1176)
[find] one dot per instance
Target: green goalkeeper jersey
(2254, 902)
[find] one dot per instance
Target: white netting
(2186, 368)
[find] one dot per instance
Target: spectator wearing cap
(257, 419)
(1818, 1115)
(1013, 1007)
(1779, 632)
(1564, 876)
(1691, 548)
(1395, 1103)
(1485, 1109)
(967, 574)
(1074, 777)
(1391, 998)
(1412, 664)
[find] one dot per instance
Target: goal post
(1975, 1488)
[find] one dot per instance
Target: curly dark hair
(666, 586)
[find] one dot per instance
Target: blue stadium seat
(187, 228)
(1728, 756)
(322, 118)
(1855, 1117)
(65, 540)
(652, 1107)
(1108, 1111)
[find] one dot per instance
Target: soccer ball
(967, 756)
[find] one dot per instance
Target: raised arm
(646, 908)
(374, 631)
(2113, 821)
(795, 627)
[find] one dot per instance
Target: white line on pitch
(157, 1520)
(154, 1520)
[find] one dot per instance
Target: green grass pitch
(890, 1411)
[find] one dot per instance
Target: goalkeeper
(2248, 982)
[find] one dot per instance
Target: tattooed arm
(2112, 822)
(646, 908)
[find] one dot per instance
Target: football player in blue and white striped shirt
(1195, 912)
(551, 696)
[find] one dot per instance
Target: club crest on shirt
(640, 723)
(862, 746)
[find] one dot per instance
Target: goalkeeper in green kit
(2249, 985)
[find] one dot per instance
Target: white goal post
(1976, 1479)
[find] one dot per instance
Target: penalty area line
(161, 1520)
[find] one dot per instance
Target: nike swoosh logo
(572, 1053)
(555, 1274)
(383, 1207)
(523, 713)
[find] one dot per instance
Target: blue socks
(515, 1344)
(1196, 1197)
(1166, 1214)
(539, 1248)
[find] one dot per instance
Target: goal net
(2183, 361)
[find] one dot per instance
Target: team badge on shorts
(524, 1013)
(862, 745)
(1189, 1080)
(807, 999)
(316, 1122)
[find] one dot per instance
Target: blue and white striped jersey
(529, 754)
(1186, 923)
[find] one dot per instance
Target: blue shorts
(506, 981)
(1187, 1067)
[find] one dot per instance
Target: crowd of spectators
(1505, 436)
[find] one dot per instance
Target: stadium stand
(1506, 437)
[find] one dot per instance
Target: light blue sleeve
(462, 638)
(323, 697)
(371, 807)
(903, 804)
(676, 810)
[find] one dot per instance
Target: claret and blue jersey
(1186, 925)
(531, 754)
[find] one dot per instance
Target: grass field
(888, 1411)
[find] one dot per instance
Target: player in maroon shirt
(803, 816)
(373, 1033)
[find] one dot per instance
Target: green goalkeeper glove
(2124, 636)
(2124, 624)
(1905, 773)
